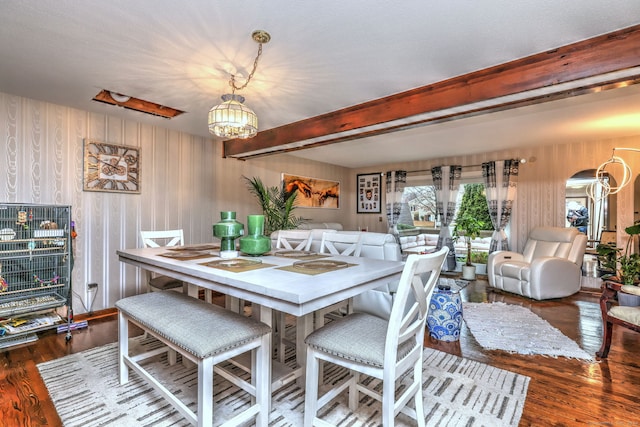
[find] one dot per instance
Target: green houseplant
(467, 227)
(479, 259)
(607, 259)
(629, 262)
(277, 205)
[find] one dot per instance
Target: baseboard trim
(107, 312)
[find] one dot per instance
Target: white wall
(185, 184)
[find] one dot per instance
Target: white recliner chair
(549, 267)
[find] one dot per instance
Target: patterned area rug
(85, 391)
(512, 328)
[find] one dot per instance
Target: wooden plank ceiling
(599, 63)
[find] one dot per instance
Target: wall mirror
(601, 211)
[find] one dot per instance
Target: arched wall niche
(602, 211)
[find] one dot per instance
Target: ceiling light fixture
(233, 119)
(601, 188)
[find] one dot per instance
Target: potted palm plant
(468, 228)
(277, 206)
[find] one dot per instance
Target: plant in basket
(629, 272)
(608, 255)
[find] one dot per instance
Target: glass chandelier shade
(232, 119)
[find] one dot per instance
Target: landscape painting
(313, 192)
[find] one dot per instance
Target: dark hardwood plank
(562, 392)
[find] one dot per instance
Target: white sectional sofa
(374, 245)
(428, 241)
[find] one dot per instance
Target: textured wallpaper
(186, 183)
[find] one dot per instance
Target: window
(419, 200)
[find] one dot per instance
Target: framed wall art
(111, 168)
(313, 192)
(368, 193)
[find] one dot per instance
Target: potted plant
(467, 227)
(629, 270)
(608, 255)
(277, 206)
(479, 259)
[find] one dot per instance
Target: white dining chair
(156, 239)
(384, 349)
(349, 244)
(295, 240)
(159, 282)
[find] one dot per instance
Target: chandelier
(232, 119)
(601, 187)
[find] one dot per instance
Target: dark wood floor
(562, 392)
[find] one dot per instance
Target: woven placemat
(299, 255)
(187, 255)
(196, 247)
(314, 271)
(240, 268)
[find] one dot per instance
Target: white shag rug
(512, 328)
(457, 392)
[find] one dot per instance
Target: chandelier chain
(232, 82)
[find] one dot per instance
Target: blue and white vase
(445, 314)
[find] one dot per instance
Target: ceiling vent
(136, 104)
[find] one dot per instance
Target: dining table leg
(266, 316)
(304, 326)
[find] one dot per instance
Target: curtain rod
(468, 166)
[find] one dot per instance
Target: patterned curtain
(501, 182)
(396, 181)
(446, 180)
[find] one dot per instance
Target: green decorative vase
(228, 230)
(255, 242)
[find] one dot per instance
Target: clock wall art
(111, 168)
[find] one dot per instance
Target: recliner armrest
(560, 277)
(499, 257)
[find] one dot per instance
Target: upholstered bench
(205, 334)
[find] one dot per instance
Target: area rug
(512, 328)
(85, 391)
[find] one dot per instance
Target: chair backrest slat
(351, 243)
(296, 240)
(156, 239)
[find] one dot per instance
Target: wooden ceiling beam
(600, 55)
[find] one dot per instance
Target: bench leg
(205, 392)
(123, 347)
(260, 371)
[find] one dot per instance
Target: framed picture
(368, 193)
(313, 192)
(111, 168)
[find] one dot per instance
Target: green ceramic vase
(228, 230)
(255, 242)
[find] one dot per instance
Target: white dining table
(271, 288)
